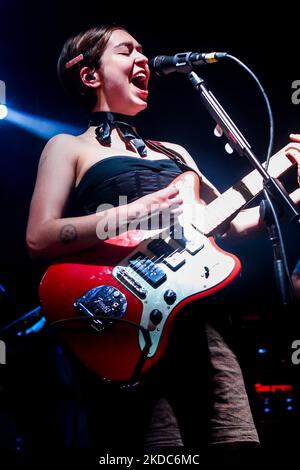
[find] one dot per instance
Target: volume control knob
(156, 316)
(170, 296)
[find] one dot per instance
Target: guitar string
(154, 258)
(210, 212)
(133, 273)
(281, 164)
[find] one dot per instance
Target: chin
(142, 105)
(133, 110)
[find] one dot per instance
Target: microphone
(183, 61)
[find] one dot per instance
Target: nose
(141, 58)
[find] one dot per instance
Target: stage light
(262, 351)
(3, 111)
(38, 125)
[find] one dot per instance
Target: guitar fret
(225, 207)
(277, 167)
(232, 200)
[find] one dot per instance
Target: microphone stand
(281, 278)
(276, 191)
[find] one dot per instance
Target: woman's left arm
(248, 220)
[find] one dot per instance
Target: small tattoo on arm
(68, 233)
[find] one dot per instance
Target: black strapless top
(116, 176)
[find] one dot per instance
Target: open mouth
(140, 80)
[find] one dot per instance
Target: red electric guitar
(132, 286)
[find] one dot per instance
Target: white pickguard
(190, 278)
(201, 271)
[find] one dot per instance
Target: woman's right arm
(49, 233)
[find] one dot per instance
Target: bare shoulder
(61, 147)
(62, 140)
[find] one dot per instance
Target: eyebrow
(128, 43)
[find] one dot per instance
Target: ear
(90, 77)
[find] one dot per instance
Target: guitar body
(139, 277)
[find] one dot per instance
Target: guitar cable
(269, 153)
(146, 335)
(281, 243)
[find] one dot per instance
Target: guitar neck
(224, 208)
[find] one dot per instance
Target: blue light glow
(41, 126)
(262, 351)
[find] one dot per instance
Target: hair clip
(74, 61)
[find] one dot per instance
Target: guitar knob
(156, 316)
(170, 296)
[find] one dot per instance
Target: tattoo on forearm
(68, 233)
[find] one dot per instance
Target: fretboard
(228, 204)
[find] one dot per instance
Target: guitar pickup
(175, 261)
(147, 269)
(192, 245)
(168, 254)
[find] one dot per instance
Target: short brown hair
(91, 44)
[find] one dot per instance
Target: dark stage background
(31, 37)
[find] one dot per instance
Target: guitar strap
(172, 154)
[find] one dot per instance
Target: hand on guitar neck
(293, 152)
(248, 220)
(151, 278)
